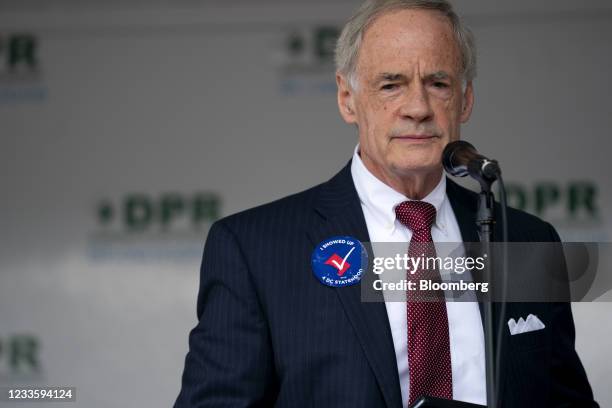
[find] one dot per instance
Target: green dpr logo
(319, 43)
(573, 201)
(19, 355)
(139, 212)
(18, 54)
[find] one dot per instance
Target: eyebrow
(438, 75)
(390, 76)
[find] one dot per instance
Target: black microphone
(460, 158)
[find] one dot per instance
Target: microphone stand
(486, 172)
(460, 159)
(486, 225)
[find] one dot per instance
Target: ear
(346, 96)
(467, 103)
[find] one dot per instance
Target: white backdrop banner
(125, 133)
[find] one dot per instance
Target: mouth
(415, 138)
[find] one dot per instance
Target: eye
(441, 85)
(389, 87)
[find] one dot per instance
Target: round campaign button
(339, 261)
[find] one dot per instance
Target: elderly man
(271, 334)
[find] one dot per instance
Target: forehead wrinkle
(412, 33)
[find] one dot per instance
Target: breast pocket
(528, 341)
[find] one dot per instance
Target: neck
(415, 185)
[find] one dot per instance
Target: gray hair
(349, 42)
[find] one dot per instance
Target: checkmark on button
(340, 264)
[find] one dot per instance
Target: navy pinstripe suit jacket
(269, 334)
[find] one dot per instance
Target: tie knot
(416, 215)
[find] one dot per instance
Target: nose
(415, 104)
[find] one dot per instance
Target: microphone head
(456, 156)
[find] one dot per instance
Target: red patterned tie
(429, 357)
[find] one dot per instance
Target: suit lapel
(340, 214)
(465, 207)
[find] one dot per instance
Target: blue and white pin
(339, 261)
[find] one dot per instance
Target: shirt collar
(381, 200)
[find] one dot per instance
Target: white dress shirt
(466, 334)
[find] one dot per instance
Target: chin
(413, 167)
(416, 161)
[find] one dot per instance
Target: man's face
(408, 102)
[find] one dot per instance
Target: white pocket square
(532, 323)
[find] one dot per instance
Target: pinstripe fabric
(269, 334)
